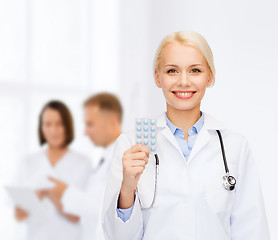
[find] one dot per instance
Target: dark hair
(66, 119)
(106, 101)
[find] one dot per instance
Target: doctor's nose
(184, 80)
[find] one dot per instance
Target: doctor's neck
(55, 153)
(183, 119)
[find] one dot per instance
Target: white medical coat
(191, 203)
(73, 169)
(88, 204)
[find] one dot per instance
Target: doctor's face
(97, 125)
(53, 128)
(183, 76)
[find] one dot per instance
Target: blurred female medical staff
(55, 129)
(190, 202)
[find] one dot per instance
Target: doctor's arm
(248, 220)
(126, 169)
(134, 161)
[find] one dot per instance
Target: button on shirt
(186, 147)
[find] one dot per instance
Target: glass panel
(56, 51)
(12, 149)
(9, 40)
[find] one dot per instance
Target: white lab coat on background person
(191, 203)
(88, 203)
(73, 169)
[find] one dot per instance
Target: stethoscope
(228, 181)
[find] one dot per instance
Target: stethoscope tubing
(229, 187)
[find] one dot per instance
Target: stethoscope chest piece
(229, 182)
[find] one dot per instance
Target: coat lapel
(210, 124)
(166, 132)
(202, 139)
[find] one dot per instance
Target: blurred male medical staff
(103, 117)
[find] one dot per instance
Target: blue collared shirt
(185, 147)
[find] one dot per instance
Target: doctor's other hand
(58, 190)
(55, 193)
(134, 162)
(20, 214)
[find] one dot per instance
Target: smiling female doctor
(191, 202)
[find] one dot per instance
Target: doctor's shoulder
(25, 166)
(29, 164)
(235, 143)
(229, 135)
(237, 148)
(34, 157)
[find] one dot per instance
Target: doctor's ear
(210, 79)
(157, 79)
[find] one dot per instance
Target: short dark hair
(66, 119)
(106, 101)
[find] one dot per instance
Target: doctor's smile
(184, 94)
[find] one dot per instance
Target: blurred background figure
(57, 161)
(103, 116)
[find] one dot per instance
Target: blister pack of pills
(146, 132)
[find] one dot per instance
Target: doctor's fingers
(138, 148)
(136, 156)
(134, 171)
(135, 163)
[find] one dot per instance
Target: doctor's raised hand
(134, 162)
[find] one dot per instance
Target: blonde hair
(188, 38)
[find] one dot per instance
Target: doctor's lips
(184, 94)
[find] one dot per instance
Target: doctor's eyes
(172, 71)
(195, 70)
